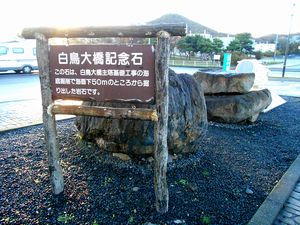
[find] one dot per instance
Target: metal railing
(188, 63)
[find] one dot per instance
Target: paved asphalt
(20, 101)
(19, 87)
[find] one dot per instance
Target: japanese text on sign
(101, 58)
(103, 72)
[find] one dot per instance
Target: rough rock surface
(187, 122)
(238, 107)
(213, 83)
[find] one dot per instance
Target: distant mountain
(195, 27)
(271, 38)
(192, 26)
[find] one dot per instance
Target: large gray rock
(187, 122)
(213, 83)
(237, 108)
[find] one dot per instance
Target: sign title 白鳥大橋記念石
(103, 72)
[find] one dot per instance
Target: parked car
(19, 56)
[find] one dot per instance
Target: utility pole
(288, 42)
(275, 50)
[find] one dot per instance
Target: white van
(19, 56)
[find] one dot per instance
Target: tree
(188, 45)
(173, 42)
(204, 45)
(246, 42)
(234, 45)
(242, 43)
(182, 45)
(281, 46)
(217, 45)
(293, 47)
(258, 55)
(194, 44)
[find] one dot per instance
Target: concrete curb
(33, 124)
(287, 79)
(270, 208)
(20, 127)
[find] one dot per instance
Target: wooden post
(114, 31)
(163, 33)
(161, 127)
(56, 176)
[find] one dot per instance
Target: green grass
(66, 218)
(131, 219)
(205, 173)
(205, 220)
(95, 222)
(182, 182)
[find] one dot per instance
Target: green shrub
(268, 54)
(258, 55)
(238, 56)
(235, 57)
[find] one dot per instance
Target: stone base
(235, 108)
(218, 82)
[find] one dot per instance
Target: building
(204, 34)
(226, 40)
(264, 47)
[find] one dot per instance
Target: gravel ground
(224, 183)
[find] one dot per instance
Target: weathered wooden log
(145, 31)
(186, 126)
(161, 127)
(55, 169)
(107, 112)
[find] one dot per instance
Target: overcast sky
(259, 17)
